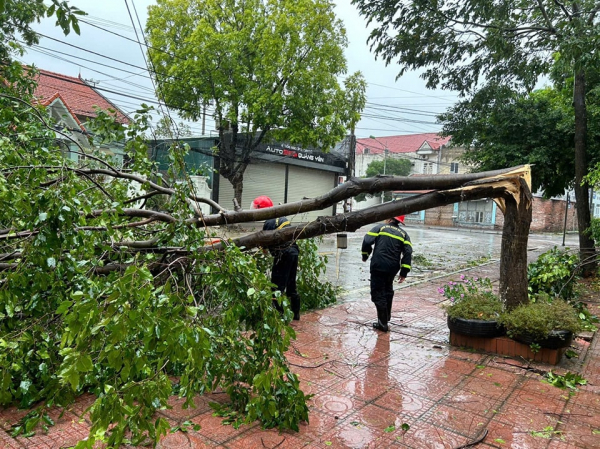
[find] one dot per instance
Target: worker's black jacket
(280, 223)
(393, 249)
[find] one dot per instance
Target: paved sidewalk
(404, 389)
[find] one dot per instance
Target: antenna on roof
(91, 81)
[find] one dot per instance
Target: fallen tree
(133, 304)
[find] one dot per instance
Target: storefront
(286, 173)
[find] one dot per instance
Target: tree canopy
(392, 166)
(270, 69)
(499, 128)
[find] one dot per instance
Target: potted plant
(543, 321)
(473, 308)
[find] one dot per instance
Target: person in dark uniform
(285, 260)
(392, 253)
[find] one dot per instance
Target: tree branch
(546, 17)
(349, 189)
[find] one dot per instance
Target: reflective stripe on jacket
(393, 249)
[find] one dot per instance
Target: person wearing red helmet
(285, 260)
(392, 253)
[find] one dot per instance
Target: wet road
(436, 252)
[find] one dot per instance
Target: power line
(383, 107)
(404, 90)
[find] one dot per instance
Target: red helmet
(400, 218)
(260, 202)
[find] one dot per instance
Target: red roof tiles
(408, 143)
(79, 97)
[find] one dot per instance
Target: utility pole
(351, 166)
(385, 152)
(566, 215)
(203, 118)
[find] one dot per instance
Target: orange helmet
(400, 218)
(260, 202)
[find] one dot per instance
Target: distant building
(431, 154)
(428, 153)
(71, 103)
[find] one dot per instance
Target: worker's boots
(382, 319)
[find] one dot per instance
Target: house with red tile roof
(429, 153)
(71, 103)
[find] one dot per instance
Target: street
(436, 252)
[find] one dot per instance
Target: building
(429, 153)
(71, 102)
(286, 173)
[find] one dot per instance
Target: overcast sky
(402, 106)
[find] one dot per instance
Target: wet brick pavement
(368, 385)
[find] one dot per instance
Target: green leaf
(405, 427)
(499, 440)
(389, 429)
(84, 364)
(63, 307)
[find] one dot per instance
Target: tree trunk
(513, 255)
(587, 250)
(238, 187)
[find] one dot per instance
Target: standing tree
(391, 166)
(269, 67)
(459, 43)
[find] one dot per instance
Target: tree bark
(238, 188)
(587, 250)
(513, 252)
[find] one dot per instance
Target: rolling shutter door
(260, 178)
(309, 183)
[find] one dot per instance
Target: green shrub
(315, 291)
(538, 318)
(471, 299)
(594, 230)
(481, 306)
(553, 273)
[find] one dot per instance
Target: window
(427, 168)
(454, 167)
(478, 217)
(367, 151)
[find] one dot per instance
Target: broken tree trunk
(513, 255)
(349, 189)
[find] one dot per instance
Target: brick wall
(547, 216)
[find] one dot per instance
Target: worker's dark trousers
(285, 267)
(382, 291)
